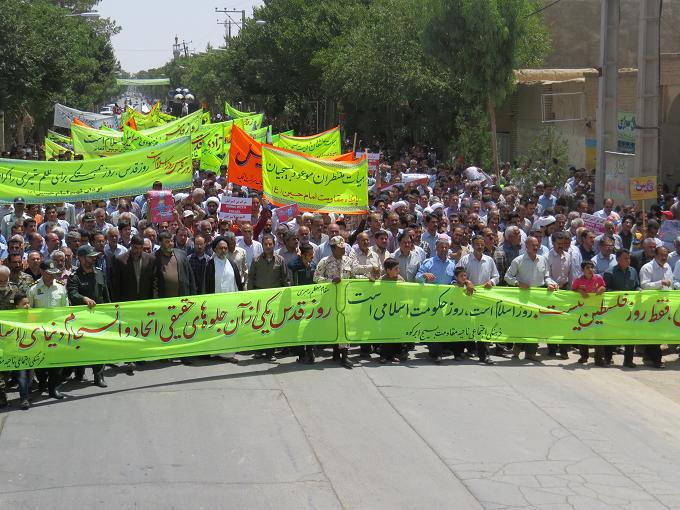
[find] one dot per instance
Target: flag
(245, 160)
(286, 213)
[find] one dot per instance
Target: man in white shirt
(252, 248)
(674, 257)
(656, 275)
(526, 271)
(559, 264)
(481, 270)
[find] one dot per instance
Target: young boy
(587, 285)
(392, 352)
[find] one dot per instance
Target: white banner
(235, 208)
(63, 116)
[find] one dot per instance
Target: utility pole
(229, 21)
(648, 83)
(179, 48)
(607, 94)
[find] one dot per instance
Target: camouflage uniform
(22, 281)
(6, 303)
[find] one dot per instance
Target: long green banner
(130, 173)
(355, 311)
(320, 145)
(317, 185)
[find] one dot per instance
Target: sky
(149, 27)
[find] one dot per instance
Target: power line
(542, 9)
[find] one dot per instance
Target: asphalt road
(214, 435)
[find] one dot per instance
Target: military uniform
(92, 285)
(22, 281)
(6, 303)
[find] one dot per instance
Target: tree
(483, 43)
(46, 57)
(546, 161)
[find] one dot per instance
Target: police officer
(87, 286)
(48, 293)
(7, 293)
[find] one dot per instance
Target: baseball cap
(19, 200)
(87, 251)
(88, 216)
(338, 241)
(49, 268)
(188, 214)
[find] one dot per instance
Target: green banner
(181, 127)
(250, 123)
(324, 144)
(355, 311)
(96, 142)
(260, 135)
(275, 138)
(316, 185)
(134, 140)
(234, 113)
(125, 174)
(52, 149)
(56, 137)
(143, 82)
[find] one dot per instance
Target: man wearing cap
(335, 268)
(18, 215)
(87, 286)
(88, 223)
(48, 293)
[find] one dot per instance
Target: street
(259, 435)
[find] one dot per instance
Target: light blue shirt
(441, 269)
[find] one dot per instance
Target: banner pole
(354, 145)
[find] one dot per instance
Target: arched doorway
(670, 145)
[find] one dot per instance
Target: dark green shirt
(617, 279)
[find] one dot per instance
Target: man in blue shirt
(437, 269)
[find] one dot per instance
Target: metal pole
(607, 92)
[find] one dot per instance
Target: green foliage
(545, 161)
(385, 65)
(47, 57)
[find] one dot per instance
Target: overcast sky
(149, 27)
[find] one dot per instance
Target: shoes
(457, 357)
(630, 364)
(532, 357)
(99, 381)
(501, 349)
(564, 355)
(382, 360)
(659, 364)
(345, 362)
(186, 361)
(231, 359)
(130, 368)
(25, 404)
(258, 355)
(487, 361)
(437, 360)
(365, 355)
(582, 360)
(56, 394)
(271, 358)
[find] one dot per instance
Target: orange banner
(245, 160)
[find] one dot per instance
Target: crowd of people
(458, 226)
